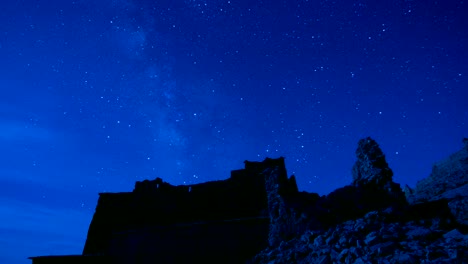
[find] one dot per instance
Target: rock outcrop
(447, 181)
(447, 175)
(430, 228)
(372, 171)
(371, 168)
(293, 212)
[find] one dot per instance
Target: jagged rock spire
(371, 166)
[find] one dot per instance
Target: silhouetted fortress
(223, 221)
(259, 216)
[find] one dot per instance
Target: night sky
(96, 95)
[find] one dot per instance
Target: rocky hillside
(372, 221)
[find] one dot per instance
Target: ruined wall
(224, 221)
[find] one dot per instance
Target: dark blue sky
(96, 95)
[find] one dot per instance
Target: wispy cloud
(18, 131)
(30, 229)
